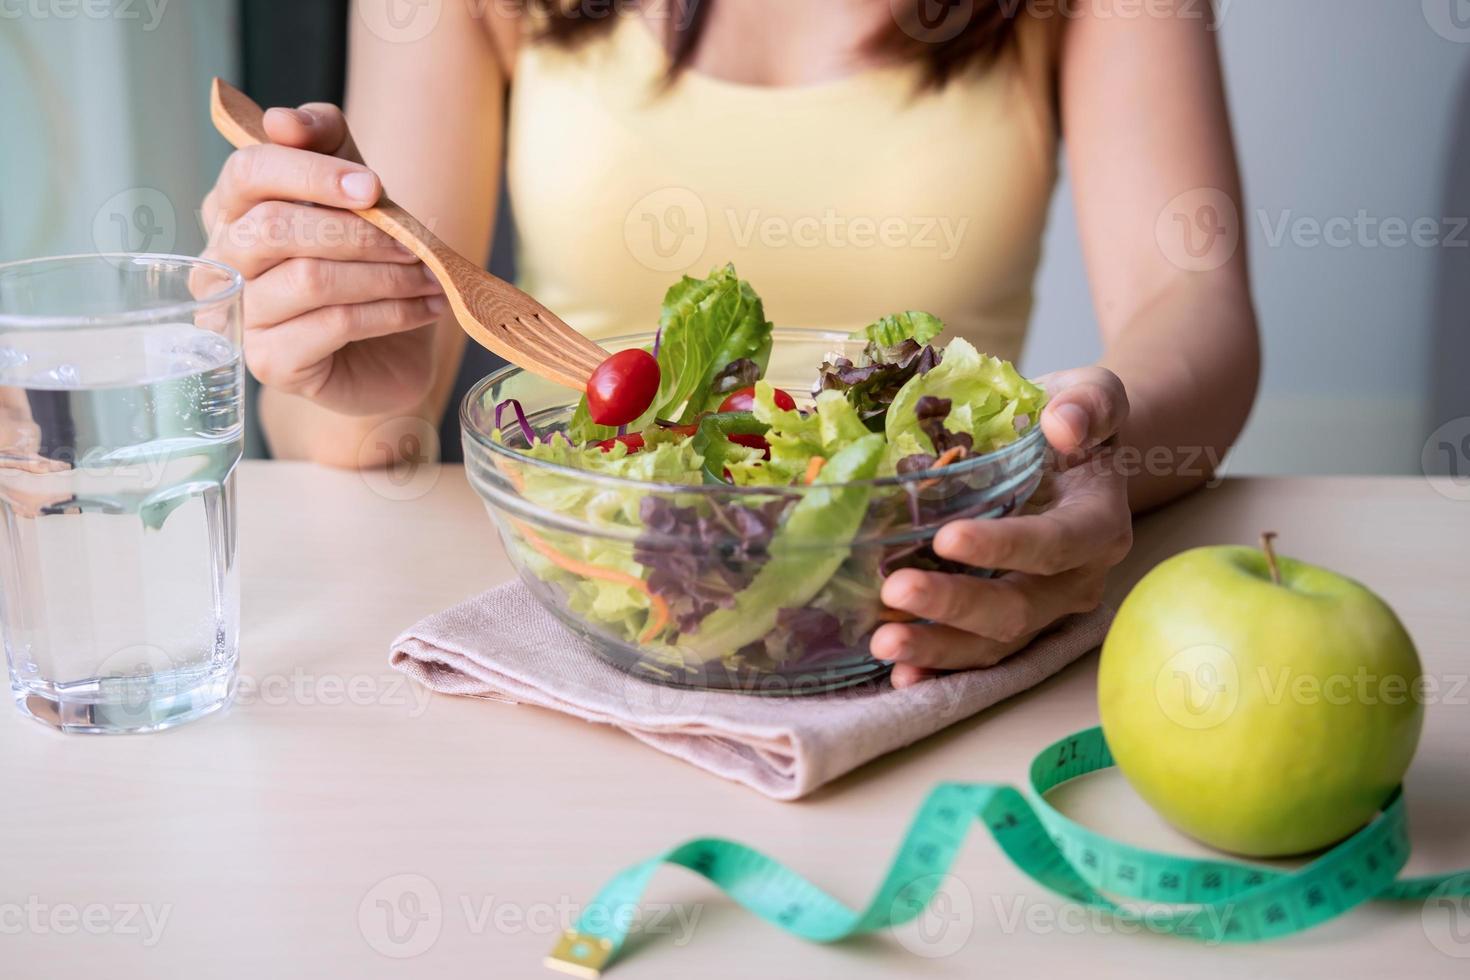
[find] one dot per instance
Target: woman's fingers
(274, 231)
(907, 675)
(317, 126)
(1088, 524)
(269, 172)
(1007, 609)
(1043, 544)
(295, 356)
(978, 622)
(1055, 560)
(299, 285)
(1086, 407)
(925, 647)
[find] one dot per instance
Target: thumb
(316, 126)
(1087, 407)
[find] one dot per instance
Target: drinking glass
(120, 427)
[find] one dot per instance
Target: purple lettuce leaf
(932, 412)
(871, 386)
(699, 558)
(739, 373)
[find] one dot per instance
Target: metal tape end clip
(580, 955)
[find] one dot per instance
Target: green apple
(1265, 707)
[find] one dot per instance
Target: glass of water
(120, 427)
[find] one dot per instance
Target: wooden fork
(494, 313)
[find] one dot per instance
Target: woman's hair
(922, 30)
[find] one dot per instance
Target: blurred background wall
(1346, 111)
(1352, 119)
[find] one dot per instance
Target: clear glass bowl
(811, 632)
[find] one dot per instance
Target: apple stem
(1266, 538)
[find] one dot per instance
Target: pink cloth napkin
(503, 645)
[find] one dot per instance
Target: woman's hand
(335, 310)
(1055, 557)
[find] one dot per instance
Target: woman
(812, 144)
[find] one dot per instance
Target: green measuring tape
(1242, 903)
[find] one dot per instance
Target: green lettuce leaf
(667, 459)
(712, 441)
(895, 328)
(705, 325)
(810, 546)
(988, 397)
(796, 438)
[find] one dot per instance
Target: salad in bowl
(736, 534)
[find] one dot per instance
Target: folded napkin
(503, 645)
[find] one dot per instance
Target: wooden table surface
(337, 821)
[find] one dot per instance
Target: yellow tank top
(839, 202)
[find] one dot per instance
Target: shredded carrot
(945, 458)
(895, 616)
(949, 456)
(656, 603)
(813, 467)
(513, 475)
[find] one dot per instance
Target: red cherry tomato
(752, 442)
(634, 440)
(622, 387)
(744, 401)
